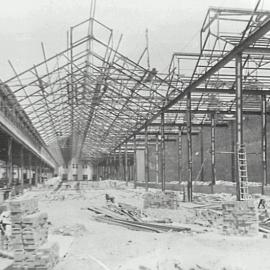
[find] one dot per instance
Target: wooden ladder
(243, 175)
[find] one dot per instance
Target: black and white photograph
(134, 135)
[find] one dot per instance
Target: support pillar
(264, 143)
(22, 167)
(9, 161)
(135, 163)
(213, 150)
(233, 154)
(30, 168)
(126, 164)
(146, 159)
(239, 117)
(179, 156)
(202, 155)
(157, 159)
(189, 148)
(163, 181)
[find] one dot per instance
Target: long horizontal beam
(229, 91)
(247, 112)
(225, 60)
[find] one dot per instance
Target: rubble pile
(167, 199)
(240, 218)
(29, 235)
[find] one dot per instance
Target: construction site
(110, 161)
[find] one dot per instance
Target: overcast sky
(173, 26)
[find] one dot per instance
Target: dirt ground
(95, 245)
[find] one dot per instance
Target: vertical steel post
(30, 168)
(163, 175)
(36, 174)
(157, 159)
(179, 156)
(146, 159)
(264, 142)
(119, 164)
(213, 149)
(239, 117)
(22, 166)
(9, 161)
(126, 164)
(233, 154)
(135, 163)
(189, 148)
(114, 166)
(202, 155)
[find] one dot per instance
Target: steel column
(239, 117)
(233, 150)
(202, 155)
(30, 168)
(146, 160)
(163, 181)
(9, 168)
(22, 166)
(119, 164)
(213, 149)
(179, 155)
(157, 159)
(135, 163)
(264, 142)
(126, 164)
(189, 148)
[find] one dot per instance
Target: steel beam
(244, 44)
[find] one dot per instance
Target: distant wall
(252, 139)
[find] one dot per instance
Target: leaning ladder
(243, 175)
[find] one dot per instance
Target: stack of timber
(240, 218)
(29, 235)
(166, 200)
(128, 216)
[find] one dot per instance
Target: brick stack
(29, 234)
(167, 199)
(240, 218)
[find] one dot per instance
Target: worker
(150, 76)
(5, 228)
(262, 204)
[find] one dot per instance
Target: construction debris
(125, 217)
(29, 237)
(167, 199)
(240, 218)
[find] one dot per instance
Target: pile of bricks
(29, 237)
(240, 218)
(167, 200)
